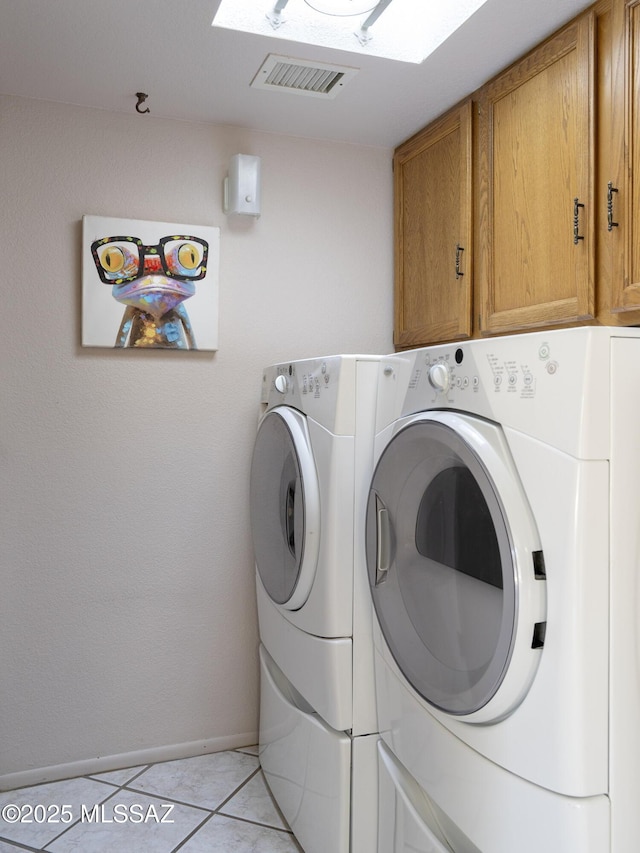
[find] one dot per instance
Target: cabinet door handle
(576, 221)
(610, 191)
(459, 249)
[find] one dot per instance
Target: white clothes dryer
(310, 471)
(503, 541)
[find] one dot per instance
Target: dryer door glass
(441, 567)
(277, 505)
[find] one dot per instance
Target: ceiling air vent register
(314, 79)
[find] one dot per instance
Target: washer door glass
(284, 506)
(441, 561)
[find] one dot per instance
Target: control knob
(282, 383)
(439, 376)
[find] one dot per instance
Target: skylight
(405, 30)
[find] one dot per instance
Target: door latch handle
(383, 545)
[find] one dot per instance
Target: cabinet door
(433, 237)
(624, 203)
(537, 250)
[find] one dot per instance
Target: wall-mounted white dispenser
(242, 186)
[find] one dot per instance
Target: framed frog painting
(149, 285)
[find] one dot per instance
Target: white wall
(127, 617)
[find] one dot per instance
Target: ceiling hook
(141, 99)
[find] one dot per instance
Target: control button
(282, 383)
(439, 376)
(528, 379)
(465, 382)
(512, 379)
(458, 382)
(552, 367)
(476, 382)
(497, 380)
(544, 351)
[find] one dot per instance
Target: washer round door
(285, 507)
(455, 565)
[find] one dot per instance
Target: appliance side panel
(625, 595)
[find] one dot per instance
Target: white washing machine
(503, 551)
(310, 472)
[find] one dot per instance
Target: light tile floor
(216, 803)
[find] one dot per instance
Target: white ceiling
(99, 54)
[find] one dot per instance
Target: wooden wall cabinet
(544, 187)
(536, 257)
(433, 232)
(623, 219)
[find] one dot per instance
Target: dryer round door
(285, 507)
(455, 565)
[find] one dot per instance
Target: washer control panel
(330, 390)
(293, 383)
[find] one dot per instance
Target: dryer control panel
(553, 385)
(294, 383)
(449, 372)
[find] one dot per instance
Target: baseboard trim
(104, 764)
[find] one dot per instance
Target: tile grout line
(20, 845)
(153, 796)
(256, 772)
(275, 804)
(254, 822)
(116, 790)
(193, 832)
(213, 812)
(286, 829)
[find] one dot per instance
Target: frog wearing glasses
(152, 282)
